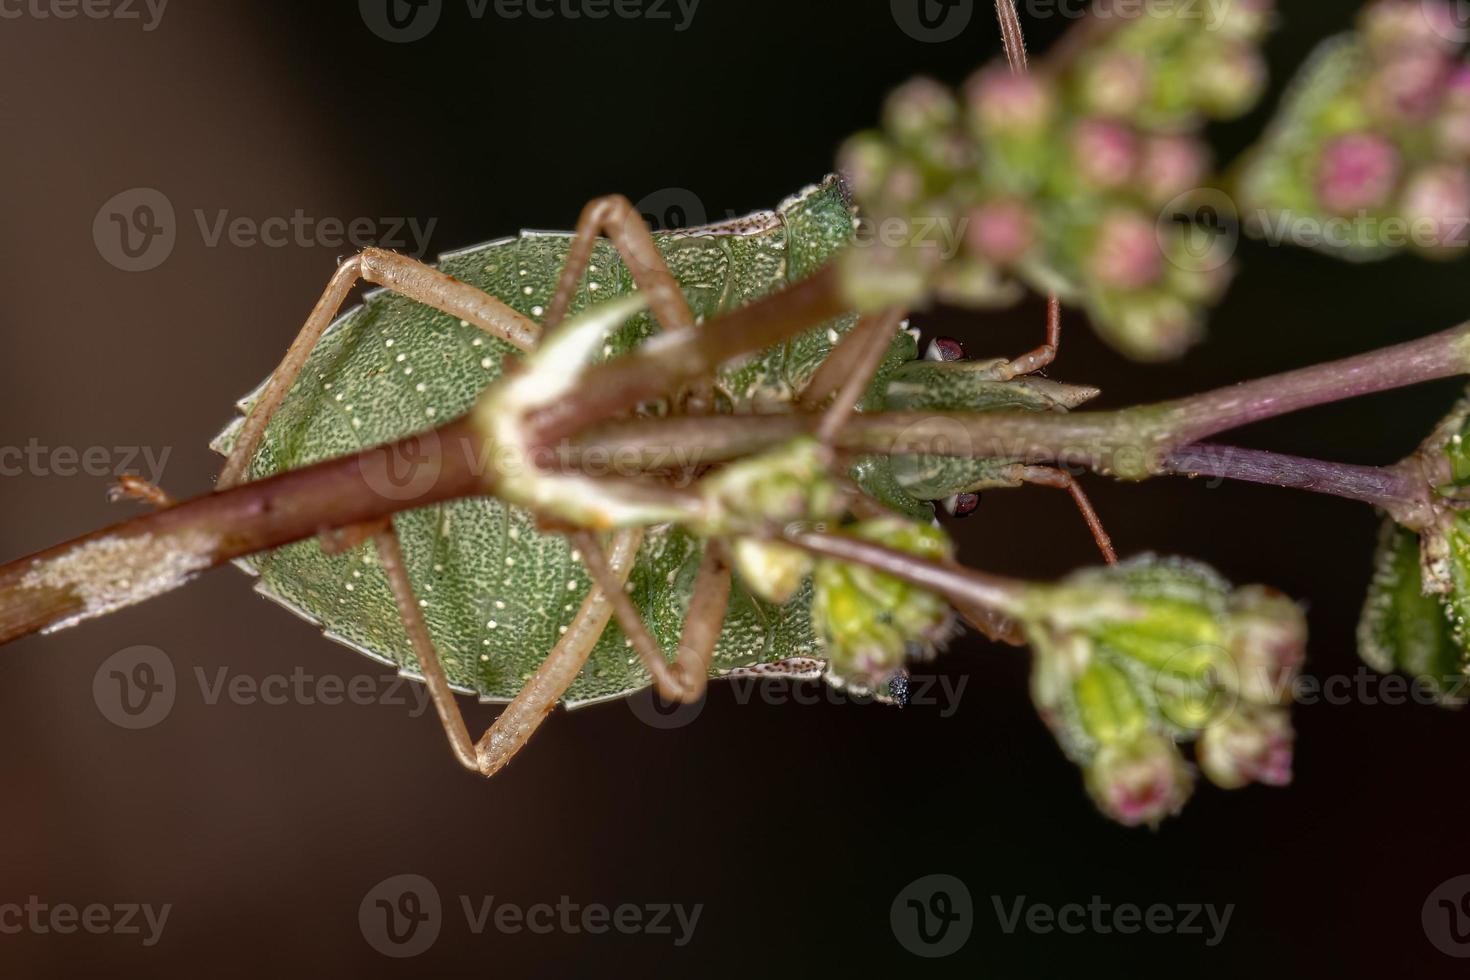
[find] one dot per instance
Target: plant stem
(1393, 488)
(158, 552)
(1132, 444)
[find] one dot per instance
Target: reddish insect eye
(945, 349)
(962, 504)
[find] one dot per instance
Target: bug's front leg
(401, 274)
(1040, 357)
(615, 217)
(524, 714)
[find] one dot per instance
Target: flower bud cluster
(1059, 179)
(1132, 661)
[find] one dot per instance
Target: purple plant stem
(1391, 488)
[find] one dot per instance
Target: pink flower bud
(1457, 85)
(1396, 25)
(1409, 86)
(1436, 203)
(1105, 153)
(1139, 782)
(1001, 102)
(1126, 253)
(1171, 166)
(1000, 231)
(1115, 84)
(1251, 746)
(1357, 172)
(1267, 639)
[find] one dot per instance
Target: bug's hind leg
(400, 274)
(1046, 476)
(524, 714)
(686, 679)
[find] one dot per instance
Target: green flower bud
(865, 161)
(771, 570)
(789, 483)
(869, 622)
(1230, 80)
(918, 109)
(1110, 709)
(1140, 782)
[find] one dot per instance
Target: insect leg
(521, 717)
(401, 274)
(129, 487)
(1039, 358)
(704, 620)
(871, 339)
(1047, 476)
(562, 665)
(670, 680)
(615, 217)
(390, 555)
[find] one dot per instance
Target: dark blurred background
(266, 827)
